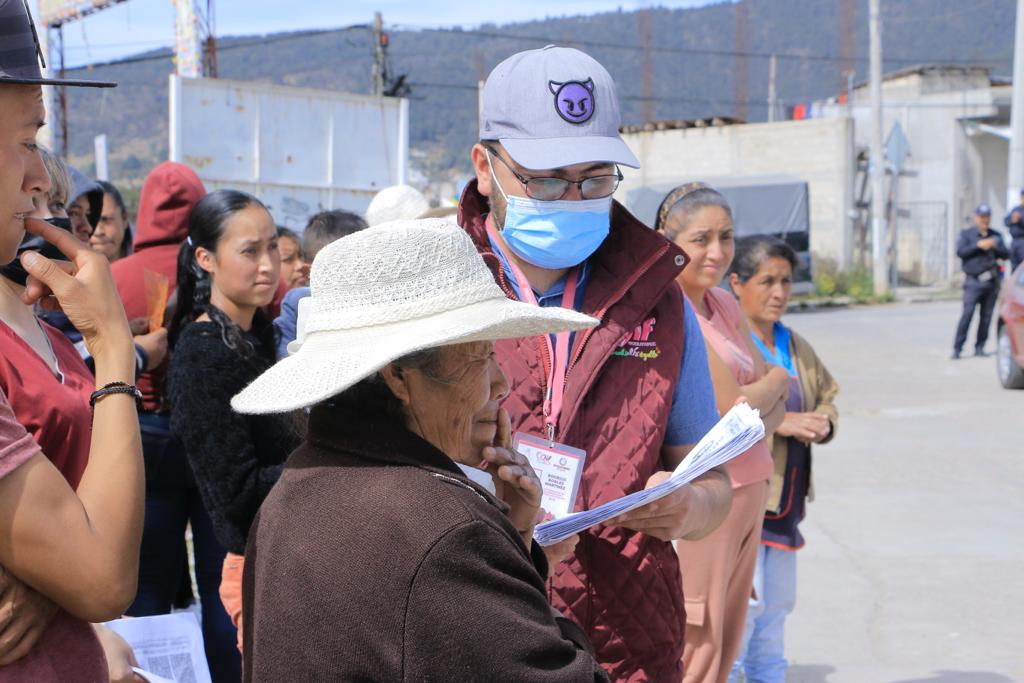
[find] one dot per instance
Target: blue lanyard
(780, 354)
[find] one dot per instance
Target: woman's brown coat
(375, 559)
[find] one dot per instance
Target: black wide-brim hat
(20, 53)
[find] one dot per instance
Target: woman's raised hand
(514, 479)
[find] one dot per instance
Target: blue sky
(140, 25)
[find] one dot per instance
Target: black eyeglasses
(549, 189)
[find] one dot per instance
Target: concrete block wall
(818, 151)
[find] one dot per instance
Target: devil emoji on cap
(574, 100)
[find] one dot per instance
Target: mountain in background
(692, 71)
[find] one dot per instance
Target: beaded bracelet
(116, 388)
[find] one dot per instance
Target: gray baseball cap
(554, 107)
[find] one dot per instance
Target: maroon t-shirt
(68, 650)
(54, 410)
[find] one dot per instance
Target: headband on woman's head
(673, 198)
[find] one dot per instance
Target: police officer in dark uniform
(980, 250)
(1015, 222)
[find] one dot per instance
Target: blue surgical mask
(554, 234)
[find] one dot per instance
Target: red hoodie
(168, 195)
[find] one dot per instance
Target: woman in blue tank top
(762, 278)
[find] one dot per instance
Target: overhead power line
(235, 45)
(691, 50)
(792, 56)
(888, 104)
(624, 97)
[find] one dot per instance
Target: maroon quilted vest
(622, 587)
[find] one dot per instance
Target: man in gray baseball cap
(554, 107)
(629, 398)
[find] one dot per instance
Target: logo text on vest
(639, 343)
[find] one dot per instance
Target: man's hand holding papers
(681, 514)
(737, 431)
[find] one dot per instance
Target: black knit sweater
(236, 458)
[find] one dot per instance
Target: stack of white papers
(735, 433)
(169, 647)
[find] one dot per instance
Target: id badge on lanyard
(559, 466)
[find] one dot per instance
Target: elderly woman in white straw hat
(397, 544)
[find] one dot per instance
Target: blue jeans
(762, 654)
(172, 501)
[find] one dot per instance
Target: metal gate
(923, 242)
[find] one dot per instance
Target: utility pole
(847, 43)
(479, 99)
(643, 21)
(207, 22)
(99, 145)
(62, 97)
(188, 49)
(740, 74)
(1015, 172)
(878, 227)
(378, 64)
(45, 135)
(772, 102)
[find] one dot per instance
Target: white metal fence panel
(297, 149)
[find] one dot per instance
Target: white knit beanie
(396, 203)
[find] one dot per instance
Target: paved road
(914, 566)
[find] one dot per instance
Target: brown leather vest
(622, 587)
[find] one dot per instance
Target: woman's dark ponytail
(206, 224)
(193, 291)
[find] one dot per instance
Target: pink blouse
(722, 331)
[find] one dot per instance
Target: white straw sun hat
(388, 291)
